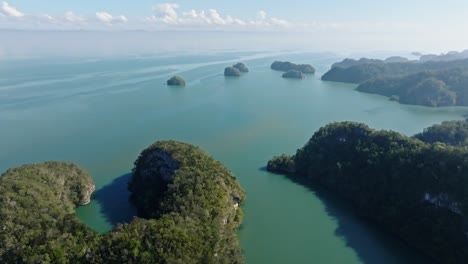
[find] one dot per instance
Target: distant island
(289, 66)
(432, 83)
(236, 70)
(449, 56)
(294, 75)
(189, 202)
(231, 71)
(414, 187)
(176, 81)
(241, 67)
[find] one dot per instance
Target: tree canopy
(190, 216)
(453, 133)
(231, 71)
(414, 189)
(432, 83)
(287, 66)
(176, 81)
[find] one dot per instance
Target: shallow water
(101, 112)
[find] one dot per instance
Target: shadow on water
(372, 244)
(114, 201)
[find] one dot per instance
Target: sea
(101, 112)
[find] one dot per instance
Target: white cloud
(109, 19)
(10, 11)
(261, 15)
(71, 18)
(279, 22)
(167, 14)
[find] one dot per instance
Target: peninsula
(436, 82)
(413, 187)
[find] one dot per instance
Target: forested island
(437, 82)
(241, 67)
(189, 206)
(415, 187)
(287, 66)
(293, 75)
(176, 81)
(232, 72)
(236, 70)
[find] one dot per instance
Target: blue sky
(450, 12)
(398, 24)
(291, 9)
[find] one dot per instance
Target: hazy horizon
(89, 28)
(28, 43)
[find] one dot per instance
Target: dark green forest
(287, 66)
(453, 133)
(432, 83)
(416, 189)
(191, 216)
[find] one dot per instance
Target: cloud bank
(172, 16)
(167, 14)
(109, 19)
(10, 11)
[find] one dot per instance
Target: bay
(101, 112)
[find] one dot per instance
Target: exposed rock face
(86, 194)
(241, 67)
(176, 81)
(294, 75)
(231, 71)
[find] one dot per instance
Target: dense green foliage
(418, 191)
(453, 133)
(346, 63)
(288, 66)
(37, 222)
(293, 74)
(429, 88)
(241, 67)
(200, 198)
(231, 71)
(366, 69)
(282, 164)
(176, 80)
(191, 218)
(441, 83)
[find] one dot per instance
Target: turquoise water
(101, 112)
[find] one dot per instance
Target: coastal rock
(176, 81)
(86, 193)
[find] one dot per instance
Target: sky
(361, 24)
